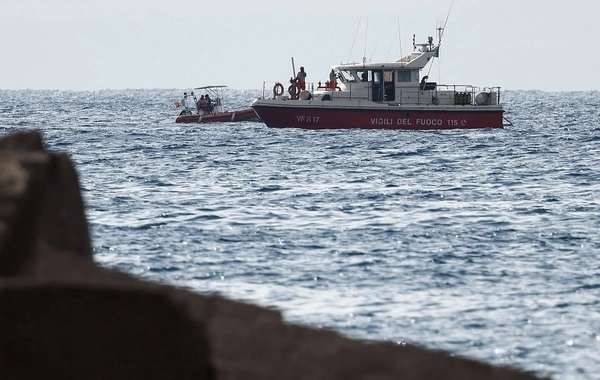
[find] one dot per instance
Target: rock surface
(64, 317)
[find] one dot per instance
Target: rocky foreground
(64, 317)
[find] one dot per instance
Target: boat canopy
(208, 87)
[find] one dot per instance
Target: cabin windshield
(346, 76)
(355, 75)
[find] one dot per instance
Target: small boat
(209, 107)
(382, 95)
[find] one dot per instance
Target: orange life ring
(278, 89)
(294, 91)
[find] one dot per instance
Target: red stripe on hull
(322, 118)
(246, 114)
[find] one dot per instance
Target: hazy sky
(117, 44)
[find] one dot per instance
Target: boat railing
(430, 93)
(467, 94)
(423, 94)
(270, 90)
(443, 94)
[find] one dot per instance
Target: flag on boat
(437, 52)
(177, 104)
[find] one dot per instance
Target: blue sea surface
(482, 243)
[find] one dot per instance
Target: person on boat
(301, 78)
(198, 105)
(201, 105)
(209, 103)
(332, 79)
(185, 104)
(364, 77)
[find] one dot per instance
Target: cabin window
(404, 75)
(377, 77)
(363, 76)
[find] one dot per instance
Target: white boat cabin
(398, 82)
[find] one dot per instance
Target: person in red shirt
(301, 78)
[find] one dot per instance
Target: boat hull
(383, 116)
(247, 114)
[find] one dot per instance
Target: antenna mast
(445, 22)
(365, 51)
(399, 39)
(375, 48)
(354, 40)
(439, 27)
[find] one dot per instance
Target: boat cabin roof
(371, 66)
(414, 60)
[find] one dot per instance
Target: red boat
(209, 108)
(383, 95)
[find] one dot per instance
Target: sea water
(482, 243)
